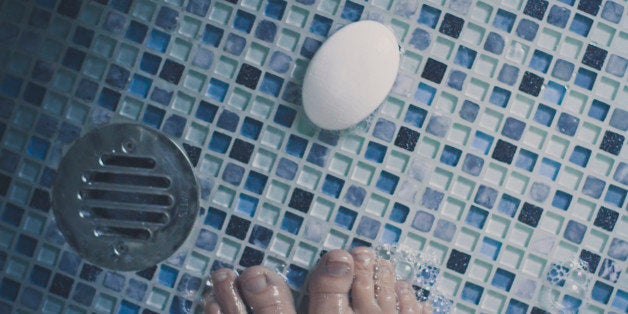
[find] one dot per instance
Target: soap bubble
(566, 286)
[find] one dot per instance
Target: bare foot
(341, 282)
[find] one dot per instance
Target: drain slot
(125, 215)
(128, 161)
(128, 179)
(126, 197)
(128, 233)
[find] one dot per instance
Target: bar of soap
(350, 75)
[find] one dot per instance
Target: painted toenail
(256, 284)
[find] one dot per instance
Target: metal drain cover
(125, 197)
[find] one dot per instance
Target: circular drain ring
(125, 197)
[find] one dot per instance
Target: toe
(211, 307)
(226, 292)
(330, 283)
(385, 287)
(363, 288)
(265, 292)
(407, 299)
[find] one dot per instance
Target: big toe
(265, 291)
(330, 283)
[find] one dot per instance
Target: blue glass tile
(490, 247)
(275, 9)
(167, 18)
(420, 39)
(9, 289)
(241, 151)
(508, 74)
(34, 94)
(504, 151)
(37, 147)
(320, 25)
(429, 16)
(593, 187)
(150, 63)
(301, 200)
(260, 236)
(387, 182)
(609, 270)
(504, 20)
(228, 120)
(581, 25)
(332, 186)
(567, 124)
(391, 234)
(617, 65)
(486, 196)
(540, 61)
(69, 8)
(61, 285)
(482, 142)
(612, 142)
(508, 205)
(554, 92)
(594, 57)
(438, 125)
(136, 32)
(172, 71)
(469, 110)
(384, 130)
(544, 115)
(219, 142)
(527, 29)
(83, 36)
(217, 89)
(198, 7)
(516, 307)
(266, 31)
(296, 146)
(423, 221)
(458, 261)
(499, 97)
(368, 227)
(615, 195)
(345, 218)
(117, 76)
(355, 195)
(69, 263)
(558, 16)
(434, 70)
(445, 230)
(601, 292)
(539, 191)
(153, 116)
(621, 300)
(158, 40)
(465, 57)
(203, 58)
(318, 155)
(292, 93)
(86, 90)
(451, 25)
(215, 218)
(432, 198)
(167, 275)
(243, 21)
(590, 6)
(212, 35)
(247, 204)
(233, 174)
(503, 279)
(271, 84)
(121, 5)
(472, 293)
(549, 168)
(10, 85)
(140, 85)
(255, 182)
(425, 94)
(296, 276)
(309, 47)
(598, 110)
(40, 276)
(206, 111)
(285, 116)
(39, 18)
(536, 8)
(456, 79)
(399, 213)
(329, 137)
(561, 200)
(612, 11)
(530, 214)
(476, 217)
(238, 227)
(575, 231)
(473, 165)
(591, 259)
(352, 11)
(621, 173)
(251, 128)
(280, 62)
(375, 152)
(494, 43)
(450, 156)
(174, 125)
(531, 83)
(513, 128)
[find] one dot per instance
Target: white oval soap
(350, 75)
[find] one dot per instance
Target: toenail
(219, 276)
(363, 257)
(337, 265)
(256, 284)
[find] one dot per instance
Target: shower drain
(125, 197)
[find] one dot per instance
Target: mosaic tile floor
(500, 150)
